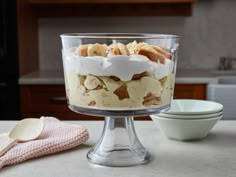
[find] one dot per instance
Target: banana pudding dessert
(118, 76)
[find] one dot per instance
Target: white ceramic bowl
(182, 129)
(192, 107)
(195, 116)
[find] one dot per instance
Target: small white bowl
(195, 116)
(182, 129)
(192, 107)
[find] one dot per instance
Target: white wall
(205, 36)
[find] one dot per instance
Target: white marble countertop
(214, 156)
(56, 77)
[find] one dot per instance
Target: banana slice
(131, 47)
(81, 50)
(123, 49)
(118, 49)
(105, 46)
(114, 49)
(96, 50)
(91, 82)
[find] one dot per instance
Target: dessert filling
(118, 76)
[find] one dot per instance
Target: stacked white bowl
(188, 119)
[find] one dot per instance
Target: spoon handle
(8, 146)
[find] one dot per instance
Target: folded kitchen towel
(56, 136)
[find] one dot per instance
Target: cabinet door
(190, 91)
(47, 100)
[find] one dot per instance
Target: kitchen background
(206, 35)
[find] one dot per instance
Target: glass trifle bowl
(119, 76)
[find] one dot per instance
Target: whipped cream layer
(121, 66)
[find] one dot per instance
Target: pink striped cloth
(56, 136)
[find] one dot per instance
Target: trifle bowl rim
(119, 36)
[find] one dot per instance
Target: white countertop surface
(57, 78)
(214, 156)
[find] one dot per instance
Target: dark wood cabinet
(190, 91)
(47, 100)
(50, 100)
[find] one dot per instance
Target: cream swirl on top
(123, 67)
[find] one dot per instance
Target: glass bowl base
(121, 157)
(118, 145)
(119, 113)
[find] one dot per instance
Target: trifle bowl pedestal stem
(119, 145)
